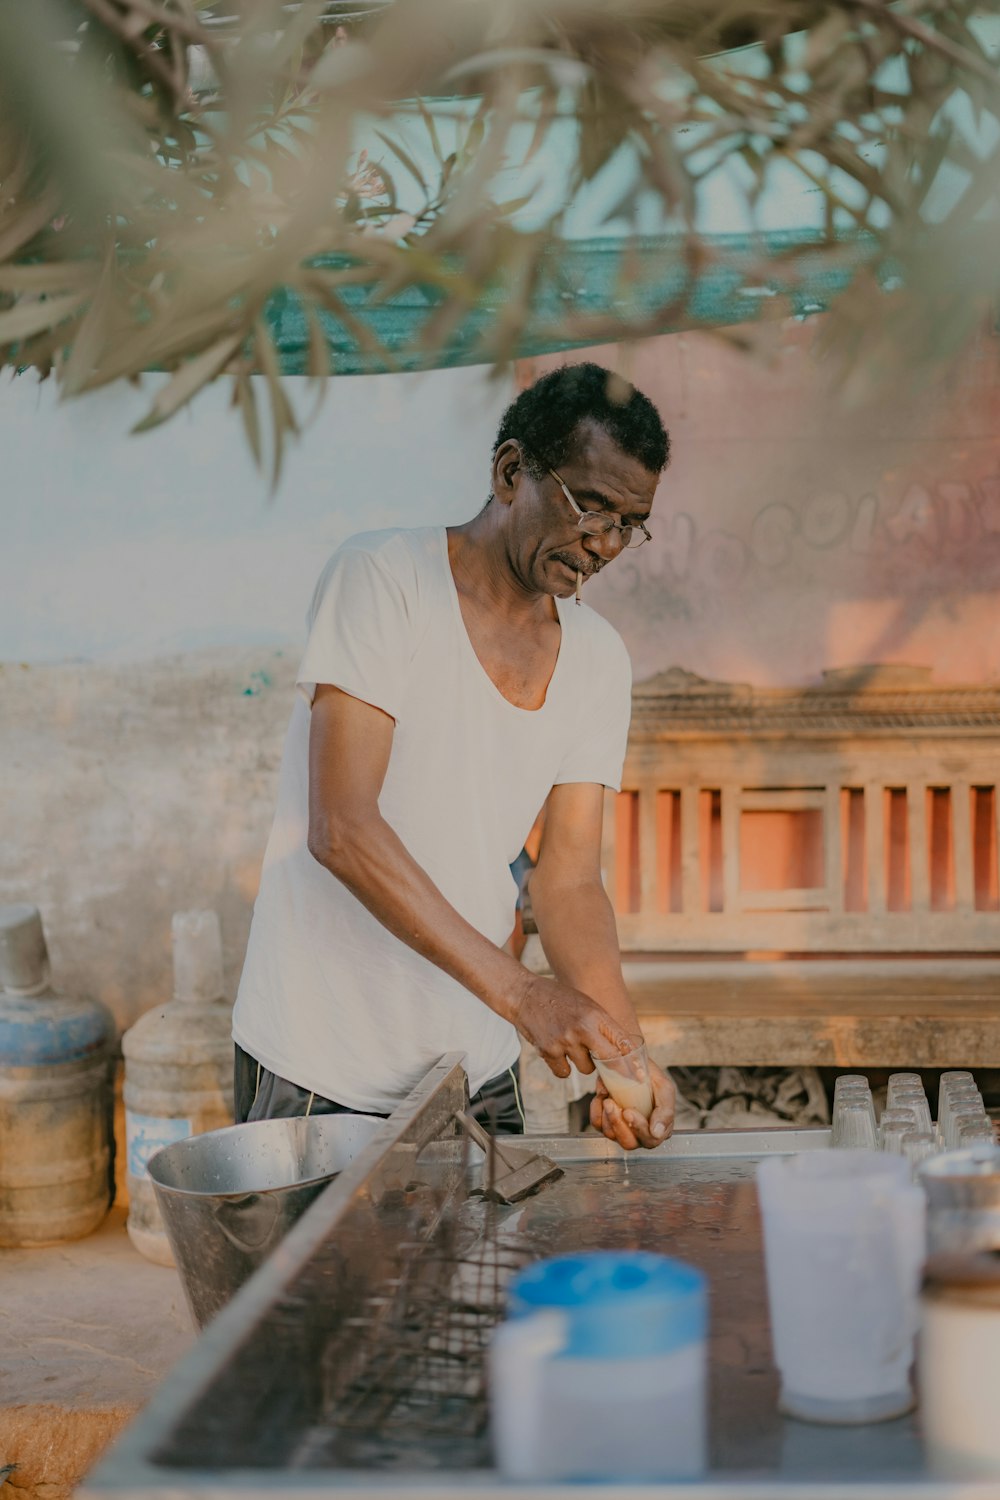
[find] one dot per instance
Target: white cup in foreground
(843, 1242)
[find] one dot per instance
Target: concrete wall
(794, 533)
(152, 599)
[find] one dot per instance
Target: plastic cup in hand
(899, 1081)
(853, 1124)
(626, 1078)
(915, 1099)
(893, 1125)
(917, 1146)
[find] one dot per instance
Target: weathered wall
(152, 604)
(136, 791)
(794, 533)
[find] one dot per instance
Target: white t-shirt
(329, 999)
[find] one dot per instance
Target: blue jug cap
(618, 1304)
(43, 1030)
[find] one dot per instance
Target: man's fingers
(615, 1127)
(661, 1122)
(643, 1130)
(608, 1038)
(580, 1057)
(556, 1064)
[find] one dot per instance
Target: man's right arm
(349, 746)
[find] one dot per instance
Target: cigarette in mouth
(579, 586)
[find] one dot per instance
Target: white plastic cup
(844, 1242)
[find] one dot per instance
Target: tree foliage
(167, 165)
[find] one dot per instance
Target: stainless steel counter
(262, 1405)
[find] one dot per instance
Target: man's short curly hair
(545, 417)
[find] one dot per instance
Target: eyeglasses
(600, 522)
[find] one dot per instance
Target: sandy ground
(88, 1328)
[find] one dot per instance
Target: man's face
(548, 548)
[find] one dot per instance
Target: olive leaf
(176, 175)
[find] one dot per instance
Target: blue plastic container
(55, 1096)
(600, 1370)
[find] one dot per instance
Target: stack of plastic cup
(894, 1124)
(951, 1084)
(853, 1116)
(899, 1081)
(915, 1099)
(917, 1146)
(964, 1110)
(975, 1132)
(959, 1097)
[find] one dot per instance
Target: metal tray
(267, 1403)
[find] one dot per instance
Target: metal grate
(405, 1376)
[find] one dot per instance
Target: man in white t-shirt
(451, 689)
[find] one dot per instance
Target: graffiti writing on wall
(937, 527)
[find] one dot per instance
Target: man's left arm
(576, 925)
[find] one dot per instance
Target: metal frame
(133, 1468)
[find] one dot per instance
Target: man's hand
(627, 1126)
(562, 1023)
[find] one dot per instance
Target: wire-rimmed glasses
(600, 522)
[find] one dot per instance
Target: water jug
(178, 1071)
(843, 1243)
(55, 1097)
(600, 1370)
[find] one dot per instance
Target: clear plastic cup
(975, 1133)
(626, 1078)
(917, 1146)
(915, 1099)
(846, 1080)
(899, 1081)
(857, 1093)
(894, 1124)
(966, 1114)
(854, 1091)
(853, 1124)
(954, 1093)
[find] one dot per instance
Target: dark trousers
(261, 1095)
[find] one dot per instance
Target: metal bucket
(229, 1196)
